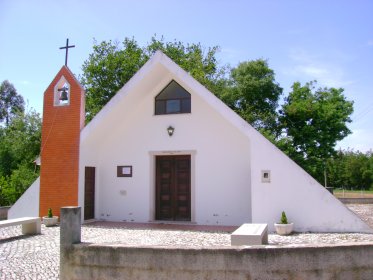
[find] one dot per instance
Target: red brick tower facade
(63, 119)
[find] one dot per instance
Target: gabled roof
(158, 66)
(160, 69)
(64, 71)
(153, 70)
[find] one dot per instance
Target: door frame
(153, 174)
(173, 193)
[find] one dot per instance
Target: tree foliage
(111, 65)
(11, 188)
(107, 69)
(254, 94)
(251, 90)
(202, 64)
(351, 170)
(308, 126)
(314, 120)
(10, 102)
(19, 147)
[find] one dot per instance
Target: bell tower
(63, 119)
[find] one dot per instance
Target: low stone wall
(94, 261)
(4, 212)
(117, 261)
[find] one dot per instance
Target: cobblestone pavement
(37, 256)
(364, 211)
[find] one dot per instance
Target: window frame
(161, 106)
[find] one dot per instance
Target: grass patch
(353, 193)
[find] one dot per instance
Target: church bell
(63, 96)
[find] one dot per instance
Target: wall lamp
(170, 130)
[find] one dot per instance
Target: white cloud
(370, 43)
(230, 55)
(313, 70)
(306, 67)
(359, 140)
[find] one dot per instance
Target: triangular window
(173, 99)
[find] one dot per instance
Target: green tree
(6, 154)
(307, 127)
(20, 141)
(19, 147)
(314, 120)
(202, 64)
(254, 94)
(10, 102)
(110, 66)
(358, 170)
(107, 69)
(20, 180)
(4, 197)
(368, 175)
(337, 178)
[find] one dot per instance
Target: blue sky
(330, 41)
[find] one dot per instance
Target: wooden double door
(173, 194)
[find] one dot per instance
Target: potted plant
(284, 227)
(50, 220)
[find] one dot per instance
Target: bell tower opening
(62, 93)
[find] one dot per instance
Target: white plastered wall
(306, 203)
(28, 204)
(219, 152)
(228, 157)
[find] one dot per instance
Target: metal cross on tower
(67, 50)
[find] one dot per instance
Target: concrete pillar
(70, 222)
(70, 233)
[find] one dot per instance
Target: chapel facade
(166, 149)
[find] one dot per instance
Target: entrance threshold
(165, 222)
(166, 225)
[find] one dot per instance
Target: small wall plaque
(266, 176)
(124, 171)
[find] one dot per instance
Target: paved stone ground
(37, 256)
(365, 212)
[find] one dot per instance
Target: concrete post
(70, 233)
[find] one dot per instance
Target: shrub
(50, 214)
(284, 219)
